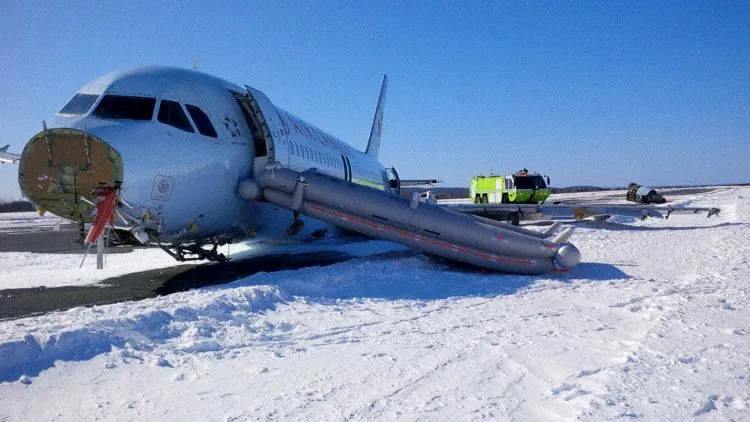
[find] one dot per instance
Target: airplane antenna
(196, 60)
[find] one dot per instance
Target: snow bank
(82, 333)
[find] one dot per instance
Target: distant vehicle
(643, 194)
(518, 188)
(428, 197)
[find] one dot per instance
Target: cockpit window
(79, 104)
(201, 120)
(124, 107)
(170, 113)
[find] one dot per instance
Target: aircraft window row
(79, 104)
(170, 113)
(326, 159)
(125, 107)
(314, 155)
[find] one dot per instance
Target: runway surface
(18, 303)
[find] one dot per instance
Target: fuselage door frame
(394, 181)
(263, 141)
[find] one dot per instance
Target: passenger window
(201, 120)
(79, 104)
(170, 113)
(124, 107)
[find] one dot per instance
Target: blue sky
(590, 93)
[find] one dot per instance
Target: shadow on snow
(403, 275)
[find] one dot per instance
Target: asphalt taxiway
(18, 303)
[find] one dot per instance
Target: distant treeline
(15, 206)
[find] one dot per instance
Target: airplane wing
(418, 182)
(517, 212)
(8, 157)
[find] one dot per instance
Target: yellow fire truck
(521, 187)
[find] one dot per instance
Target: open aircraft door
(268, 130)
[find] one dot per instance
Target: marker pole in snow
(105, 213)
(100, 253)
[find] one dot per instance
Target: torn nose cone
(61, 169)
(567, 256)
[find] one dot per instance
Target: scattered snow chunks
(708, 406)
(197, 338)
(588, 372)
(185, 314)
(148, 327)
(686, 360)
(127, 353)
(723, 304)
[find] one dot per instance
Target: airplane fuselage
(177, 143)
(183, 159)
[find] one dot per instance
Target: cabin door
(265, 125)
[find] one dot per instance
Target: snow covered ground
(653, 324)
(25, 221)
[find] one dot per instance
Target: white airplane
(188, 161)
(7, 157)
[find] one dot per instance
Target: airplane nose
(59, 168)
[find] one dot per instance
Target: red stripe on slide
(420, 238)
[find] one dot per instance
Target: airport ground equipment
(426, 227)
(643, 194)
(521, 187)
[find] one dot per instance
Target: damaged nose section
(64, 170)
